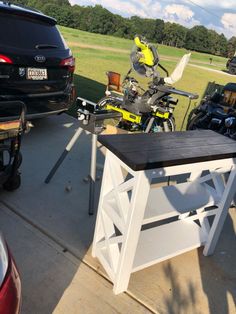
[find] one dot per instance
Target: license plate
(37, 74)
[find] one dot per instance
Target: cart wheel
(12, 183)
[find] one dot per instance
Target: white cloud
(123, 7)
(224, 4)
(144, 8)
(180, 14)
(178, 11)
(227, 27)
(229, 22)
(152, 8)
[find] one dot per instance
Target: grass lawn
(92, 64)
(77, 36)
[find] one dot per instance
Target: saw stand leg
(92, 176)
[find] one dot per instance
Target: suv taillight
(5, 59)
(69, 63)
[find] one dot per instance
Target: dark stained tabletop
(150, 151)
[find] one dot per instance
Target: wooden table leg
(116, 251)
(132, 230)
(221, 214)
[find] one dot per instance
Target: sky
(217, 15)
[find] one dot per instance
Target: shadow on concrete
(181, 300)
(215, 291)
(58, 209)
(45, 271)
(218, 271)
(216, 283)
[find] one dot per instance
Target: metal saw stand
(92, 175)
(91, 123)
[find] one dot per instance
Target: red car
(10, 284)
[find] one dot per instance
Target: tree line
(97, 19)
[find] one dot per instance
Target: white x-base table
(140, 223)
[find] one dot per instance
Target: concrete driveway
(50, 234)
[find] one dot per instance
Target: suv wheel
(231, 70)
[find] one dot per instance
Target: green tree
(97, 19)
(102, 21)
(63, 15)
(174, 35)
(231, 47)
(222, 46)
(39, 4)
(150, 28)
(159, 30)
(198, 39)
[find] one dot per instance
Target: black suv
(36, 66)
(231, 65)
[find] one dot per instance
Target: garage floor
(50, 234)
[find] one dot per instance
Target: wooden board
(10, 125)
(110, 129)
(150, 151)
(158, 244)
(168, 201)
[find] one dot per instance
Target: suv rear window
(27, 33)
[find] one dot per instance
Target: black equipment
(91, 119)
(216, 112)
(12, 127)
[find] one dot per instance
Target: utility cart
(12, 126)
